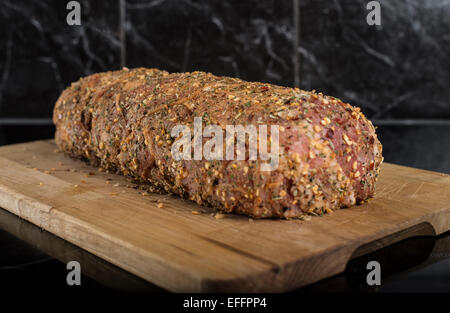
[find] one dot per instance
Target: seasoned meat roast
(329, 155)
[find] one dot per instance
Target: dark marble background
(399, 70)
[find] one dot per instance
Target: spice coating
(121, 121)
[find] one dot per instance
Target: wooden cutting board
(182, 247)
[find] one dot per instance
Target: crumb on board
(160, 205)
(75, 186)
(219, 216)
(195, 212)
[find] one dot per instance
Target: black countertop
(31, 257)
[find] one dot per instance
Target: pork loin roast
(329, 155)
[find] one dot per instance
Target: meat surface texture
(329, 155)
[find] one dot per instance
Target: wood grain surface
(183, 247)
